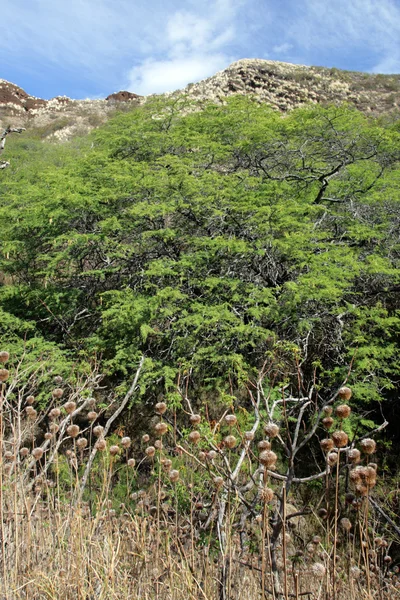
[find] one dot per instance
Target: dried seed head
(37, 453)
(264, 445)
(340, 438)
(4, 374)
(349, 497)
(145, 438)
(387, 560)
(361, 489)
(73, 430)
(345, 393)
(343, 411)
(318, 570)
(173, 476)
(354, 456)
(70, 406)
(230, 441)
(373, 465)
(24, 452)
(160, 408)
(32, 414)
(316, 540)
(92, 416)
(58, 379)
(8, 455)
(114, 450)
(368, 446)
(54, 413)
(378, 542)
(218, 482)
(81, 443)
(327, 410)
(161, 428)
(370, 476)
(230, 420)
(271, 430)
(248, 436)
(202, 456)
(54, 427)
(158, 445)
(268, 458)
(101, 444)
(48, 435)
(126, 442)
(194, 437)
(98, 430)
(357, 474)
(355, 572)
(332, 458)
(327, 422)
(57, 393)
(195, 419)
(212, 455)
(345, 524)
(167, 464)
(322, 513)
(131, 462)
(30, 400)
(4, 356)
(266, 494)
(150, 451)
(326, 444)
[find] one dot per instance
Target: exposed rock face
(122, 97)
(286, 86)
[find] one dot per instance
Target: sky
(91, 48)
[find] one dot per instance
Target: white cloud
(282, 48)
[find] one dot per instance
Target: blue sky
(91, 48)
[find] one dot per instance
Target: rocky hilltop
(283, 85)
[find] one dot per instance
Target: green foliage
(210, 239)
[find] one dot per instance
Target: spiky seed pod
(92, 416)
(322, 513)
(332, 458)
(173, 476)
(4, 356)
(266, 494)
(4, 374)
(326, 444)
(70, 406)
(264, 445)
(345, 524)
(230, 420)
(368, 446)
(101, 444)
(343, 411)
(357, 474)
(30, 400)
(318, 570)
(268, 458)
(167, 464)
(73, 430)
(271, 430)
(131, 462)
(158, 445)
(126, 442)
(48, 435)
(354, 456)
(249, 436)
(98, 430)
(54, 428)
(37, 453)
(32, 413)
(202, 456)
(8, 455)
(370, 476)
(195, 419)
(218, 482)
(24, 452)
(145, 438)
(57, 393)
(81, 443)
(160, 408)
(30, 410)
(161, 428)
(150, 451)
(230, 441)
(327, 410)
(345, 393)
(387, 560)
(316, 540)
(212, 455)
(327, 422)
(194, 437)
(340, 438)
(54, 413)
(378, 542)
(114, 450)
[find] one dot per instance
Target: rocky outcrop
(122, 97)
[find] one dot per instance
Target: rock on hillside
(60, 117)
(286, 86)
